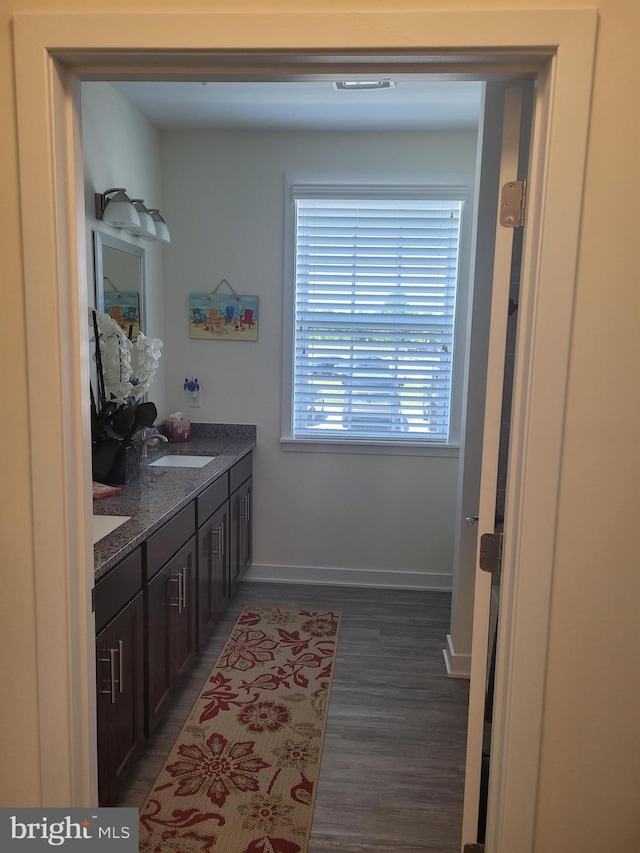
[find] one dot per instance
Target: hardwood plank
(392, 772)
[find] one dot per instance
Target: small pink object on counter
(177, 429)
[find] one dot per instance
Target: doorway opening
(44, 87)
(436, 145)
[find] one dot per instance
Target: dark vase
(125, 467)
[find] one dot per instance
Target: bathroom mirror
(119, 281)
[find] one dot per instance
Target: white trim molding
(326, 184)
(458, 665)
(427, 189)
(388, 448)
(383, 578)
(50, 49)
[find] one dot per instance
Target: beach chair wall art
(124, 308)
(223, 317)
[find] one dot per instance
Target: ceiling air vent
(359, 85)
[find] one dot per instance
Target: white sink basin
(105, 524)
(181, 461)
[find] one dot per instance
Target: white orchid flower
(128, 366)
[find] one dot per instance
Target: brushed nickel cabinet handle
(248, 506)
(178, 602)
(112, 681)
(215, 550)
(183, 575)
(221, 538)
(121, 665)
(243, 511)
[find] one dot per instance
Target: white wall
(121, 148)
(224, 195)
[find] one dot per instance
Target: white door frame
(49, 50)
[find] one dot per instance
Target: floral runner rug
(242, 775)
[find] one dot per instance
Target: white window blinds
(375, 295)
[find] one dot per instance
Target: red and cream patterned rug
(242, 775)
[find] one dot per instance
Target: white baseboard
(350, 577)
(458, 666)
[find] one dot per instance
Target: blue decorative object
(191, 385)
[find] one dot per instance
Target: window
(375, 296)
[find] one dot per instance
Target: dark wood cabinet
(171, 630)
(160, 592)
(154, 611)
(213, 570)
(224, 542)
(220, 569)
(170, 610)
(241, 539)
(184, 646)
(241, 489)
(120, 700)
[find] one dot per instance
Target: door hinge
(491, 552)
(473, 848)
(513, 202)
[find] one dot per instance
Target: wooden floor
(392, 769)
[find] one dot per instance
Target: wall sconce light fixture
(162, 230)
(147, 227)
(116, 208)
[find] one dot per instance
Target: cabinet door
(162, 592)
(183, 612)
(234, 544)
(204, 584)
(246, 539)
(171, 630)
(241, 542)
(213, 563)
(221, 591)
(120, 700)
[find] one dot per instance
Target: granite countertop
(160, 492)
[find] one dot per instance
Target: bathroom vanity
(162, 579)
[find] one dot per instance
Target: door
(506, 263)
(457, 652)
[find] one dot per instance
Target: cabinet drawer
(212, 497)
(170, 538)
(240, 472)
(117, 588)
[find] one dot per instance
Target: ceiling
(413, 104)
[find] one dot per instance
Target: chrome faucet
(149, 438)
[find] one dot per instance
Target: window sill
(390, 448)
